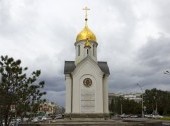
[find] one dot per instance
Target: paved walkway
(136, 122)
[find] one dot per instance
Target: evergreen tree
(17, 89)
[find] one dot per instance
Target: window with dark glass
(78, 50)
(93, 50)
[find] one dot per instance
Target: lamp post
(142, 99)
(121, 109)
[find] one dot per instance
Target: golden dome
(85, 34)
(87, 44)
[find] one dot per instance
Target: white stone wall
(88, 68)
(83, 52)
(105, 94)
(68, 93)
(87, 95)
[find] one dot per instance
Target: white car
(149, 116)
(44, 118)
(25, 119)
(36, 119)
(59, 116)
(157, 116)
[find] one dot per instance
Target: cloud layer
(133, 37)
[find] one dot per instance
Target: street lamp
(156, 107)
(142, 99)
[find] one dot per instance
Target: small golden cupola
(87, 44)
(86, 33)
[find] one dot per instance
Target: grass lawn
(166, 118)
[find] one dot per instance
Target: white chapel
(86, 79)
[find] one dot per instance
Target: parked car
(133, 116)
(157, 116)
(148, 116)
(35, 119)
(59, 116)
(154, 116)
(25, 119)
(44, 118)
(124, 115)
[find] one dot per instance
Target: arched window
(78, 50)
(93, 50)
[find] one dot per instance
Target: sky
(133, 37)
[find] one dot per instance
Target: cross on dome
(86, 32)
(86, 9)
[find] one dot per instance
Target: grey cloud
(156, 53)
(17, 18)
(43, 33)
(163, 15)
(54, 83)
(154, 59)
(57, 97)
(146, 67)
(118, 37)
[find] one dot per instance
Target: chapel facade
(86, 79)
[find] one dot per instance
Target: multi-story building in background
(131, 96)
(50, 108)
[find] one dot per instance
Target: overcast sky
(133, 37)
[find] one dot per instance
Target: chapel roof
(70, 66)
